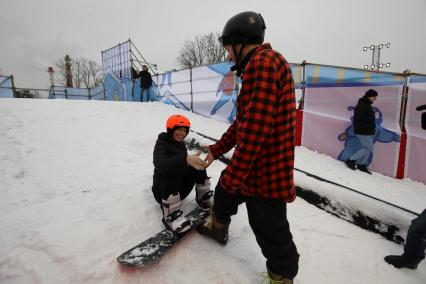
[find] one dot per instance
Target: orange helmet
(177, 120)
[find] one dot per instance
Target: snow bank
(75, 193)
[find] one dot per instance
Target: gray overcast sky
(34, 34)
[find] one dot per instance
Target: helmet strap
(238, 66)
(241, 62)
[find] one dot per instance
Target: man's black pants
(268, 220)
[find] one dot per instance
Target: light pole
(375, 58)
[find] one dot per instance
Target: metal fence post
(404, 99)
(303, 85)
(190, 84)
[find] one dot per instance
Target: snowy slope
(75, 192)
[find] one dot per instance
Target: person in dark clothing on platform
(260, 173)
(415, 245)
(146, 83)
(176, 173)
(364, 122)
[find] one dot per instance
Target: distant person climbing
(364, 122)
(146, 83)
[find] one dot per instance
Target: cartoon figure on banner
(227, 88)
(352, 144)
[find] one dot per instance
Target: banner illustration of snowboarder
(352, 143)
(227, 89)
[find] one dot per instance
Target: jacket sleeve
(255, 122)
(163, 163)
(226, 142)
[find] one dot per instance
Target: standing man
(364, 128)
(146, 83)
(260, 173)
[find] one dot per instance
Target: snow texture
(75, 185)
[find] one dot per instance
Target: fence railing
(326, 95)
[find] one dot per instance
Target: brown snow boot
(214, 229)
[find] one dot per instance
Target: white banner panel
(117, 60)
(175, 88)
(215, 91)
(415, 160)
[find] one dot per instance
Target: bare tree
(60, 68)
(85, 73)
(96, 73)
(203, 49)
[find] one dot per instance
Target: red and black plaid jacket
(263, 131)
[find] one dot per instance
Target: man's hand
(195, 161)
(209, 157)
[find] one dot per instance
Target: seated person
(176, 173)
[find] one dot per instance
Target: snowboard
(152, 249)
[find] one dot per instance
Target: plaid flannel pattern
(263, 131)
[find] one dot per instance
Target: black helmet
(245, 27)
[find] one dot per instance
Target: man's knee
(225, 204)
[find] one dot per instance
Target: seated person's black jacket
(169, 158)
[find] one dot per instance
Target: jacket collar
(240, 67)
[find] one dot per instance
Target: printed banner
(323, 76)
(114, 90)
(415, 159)
(6, 90)
(328, 113)
(215, 89)
(297, 71)
(174, 88)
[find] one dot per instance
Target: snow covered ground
(75, 192)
